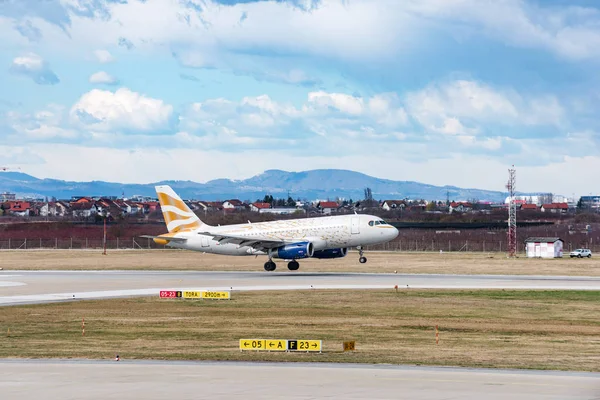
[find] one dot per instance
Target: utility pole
(512, 213)
(104, 236)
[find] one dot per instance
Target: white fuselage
(324, 233)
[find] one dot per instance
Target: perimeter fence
(404, 245)
(78, 244)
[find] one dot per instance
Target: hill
(314, 184)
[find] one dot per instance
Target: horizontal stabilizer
(167, 238)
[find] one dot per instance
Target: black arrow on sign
(314, 345)
(271, 344)
(245, 344)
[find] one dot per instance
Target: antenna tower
(512, 213)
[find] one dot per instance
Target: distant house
(151, 206)
(460, 206)
(83, 210)
(6, 196)
(393, 205)
(108, 207)
(282, 210)
(590, 202)
(18, 208)
(81, 200)
(233, 204)
(544, 247)
(53, 209)
(529, 207)
(327, 207)
(555, 207)
(214, 205)
(258, 207)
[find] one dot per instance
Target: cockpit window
(371, 223)
(382, 222)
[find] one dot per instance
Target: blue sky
(437, 91)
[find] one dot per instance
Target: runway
(30, 287)
(67, 379)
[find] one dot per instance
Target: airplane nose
(395, 233)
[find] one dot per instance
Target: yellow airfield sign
(281, 345)
(206, 294)
(276, 345)
(253, 344)
(216, 295)
(305, 345)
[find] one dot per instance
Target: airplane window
(383, 222)
(371, 223)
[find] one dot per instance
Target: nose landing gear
(362, 258)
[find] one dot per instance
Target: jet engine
(331, 253)
(293, 251)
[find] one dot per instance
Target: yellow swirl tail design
(177, 214)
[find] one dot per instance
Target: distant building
(590, 203)
(463, 206)
(233, 204)
(327, 207)
(282, 210)
(18, 208)
(555, 207)
(529, 207)
(7, 197)
(544, 247)
(259, 207)
(393, 205)
(83, 209)
(53, 209)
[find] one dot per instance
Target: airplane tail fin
(177, 214)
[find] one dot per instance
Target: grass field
(384, 262)
(496, 329)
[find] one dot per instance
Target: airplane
(290, 240)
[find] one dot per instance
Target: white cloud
(333, 115)
(44, 126)
(486, 143)
(445, 107)
(29, 62)
(35, 67)
(567, 31)
(453, 126)
(361, 30)
(123, 109)
(103, 77)
(342, 102)
(103, 56)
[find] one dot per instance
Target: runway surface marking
(65, 379)
(29, 287)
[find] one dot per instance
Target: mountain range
(310, 185)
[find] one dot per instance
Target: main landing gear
(270, 266)
(362, 258)
(292, 265)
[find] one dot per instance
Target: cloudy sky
(437, 91)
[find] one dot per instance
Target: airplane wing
(259, 244)
(167, 238)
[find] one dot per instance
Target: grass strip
(485, 328)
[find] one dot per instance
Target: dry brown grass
(388, 262)
(497, 329)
